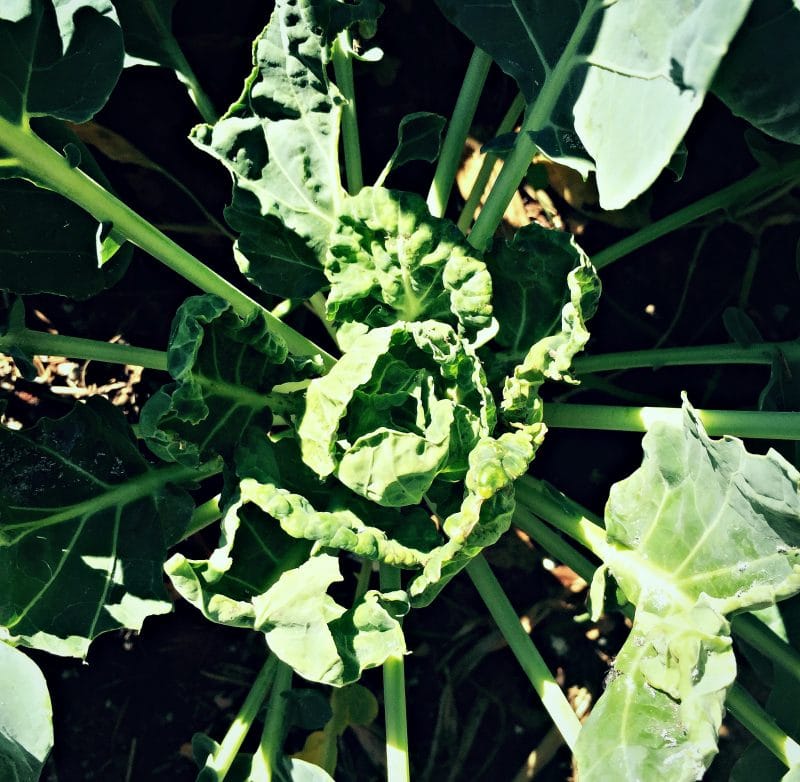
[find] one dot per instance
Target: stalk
(267, 759)
(618, 418)
(463, 113)
(760, 181)
(52, 170)
(343, 71)
(197, 94)
(524, 650)
(222, 760)
(203, 516)
(524, 148)
(746, 709)
(759, 353)
(478, 188)
(394, 699)
(39, 343)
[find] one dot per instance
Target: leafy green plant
(405, 444)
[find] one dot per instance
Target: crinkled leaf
(419, 137)
(530, 284)
(271, 255)
(550, 357)
(406, 404)
(700, 530)
(26, 717)
(47, 243)
(82, 537)
(759, 78)
(225, 368)
(280, 139)
(59, 59)
(322, 641)
(631, 89)
(390, 260)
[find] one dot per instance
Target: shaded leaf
(419, 137)
(146, 27)
(225, 368)
(759, 79)
(82, 535)
(26, 717)
(60, 60)
(49, 244)
(700, 530)
(271, 255)
(390, 260)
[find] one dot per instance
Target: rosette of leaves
(389, 260)
(405, 405)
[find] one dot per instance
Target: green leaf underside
(419, 137)
(633, 86)
(224, 368)
(26, 724)
(759, 79)
(280, 139)
(92, 562)
(61, 62)
(390, 260)
(701, 530)
(48, 244)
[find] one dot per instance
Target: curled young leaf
(406, 404)
(225, 369)
(389, 260)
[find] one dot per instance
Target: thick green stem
(463, 113)
(479, 186)
(222, 760)
(739, 192)
(269, 756)
(759, 353)
(39, 343)
(751, 629)
(618, 418)
(524, 650)
(524, 148)
(394, 698)
(745, 708)
(52, 170)
(343, 70)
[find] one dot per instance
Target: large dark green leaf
(702, 529)
(84, 524)
(623, 99)
(146, 27)
(759, 78)
(49, 244)
(225, 368)
(26, 717)
(60, 60)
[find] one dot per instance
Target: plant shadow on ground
(129, 713)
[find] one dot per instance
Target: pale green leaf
(83, 530)
(405, 404)
(390, 260)
(280, 139)
(26, 717)
(700, 530)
